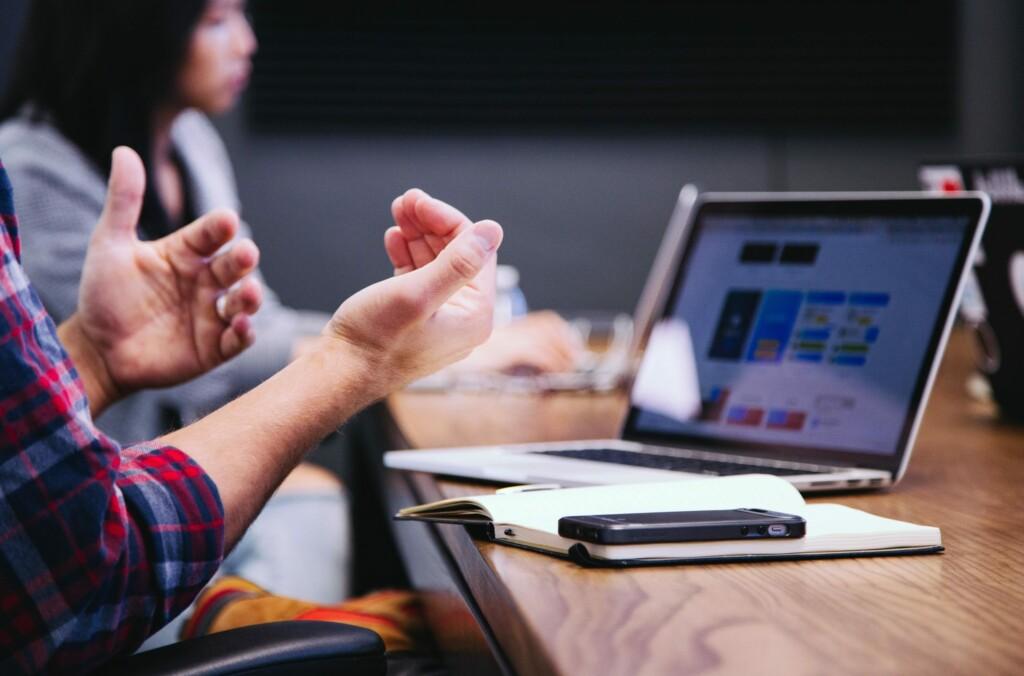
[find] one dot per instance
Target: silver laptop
(799, 337)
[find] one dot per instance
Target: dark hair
(98, 69)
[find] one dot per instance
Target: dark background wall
(583, 208)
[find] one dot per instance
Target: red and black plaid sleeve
(99, 547)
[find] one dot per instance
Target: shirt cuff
(177, 519)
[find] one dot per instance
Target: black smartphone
(718, 524)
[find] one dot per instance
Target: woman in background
(95, 74)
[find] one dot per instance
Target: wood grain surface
(961, 612)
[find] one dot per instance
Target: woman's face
(219, 58)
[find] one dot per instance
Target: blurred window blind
(838, 65)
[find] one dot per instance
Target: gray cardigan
(59, 195)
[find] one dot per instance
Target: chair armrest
(295, 647)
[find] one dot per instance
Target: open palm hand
(159, 313)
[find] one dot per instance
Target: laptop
(800, 337)
(993, 302)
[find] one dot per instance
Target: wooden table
(517, 611)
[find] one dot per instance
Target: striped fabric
(99, 546)
(231, 602)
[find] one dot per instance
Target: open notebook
(530, 520)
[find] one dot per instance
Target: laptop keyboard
(675, 463)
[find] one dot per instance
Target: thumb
(125, 190)
(457, 265)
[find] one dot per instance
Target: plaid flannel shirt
(99, 546)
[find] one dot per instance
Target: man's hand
(440, 304)
(541, 341)
(436, 310)
(154, 314)
(423, 227)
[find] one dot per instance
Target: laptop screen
(810, 327)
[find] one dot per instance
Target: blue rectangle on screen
(734, 324)
(815, 334)
(826, 298)
(871, 335)
(736, 414)
(869, 299)
(814, 357)
(849, 360)
(779, 310)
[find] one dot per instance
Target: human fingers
(557, 333)
(204, 236)
(554, 361)
(403, 210)
(544, 346)
(421, 252)
(237, 336)
(397, 248)
(235, 263)
(562, 353)
(458, 265)
(427, 223)
(542, 358)
(440, 219)
(245, 298)
(547, 330)
(434, 242)
(125, 190)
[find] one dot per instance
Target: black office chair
(297, 648)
